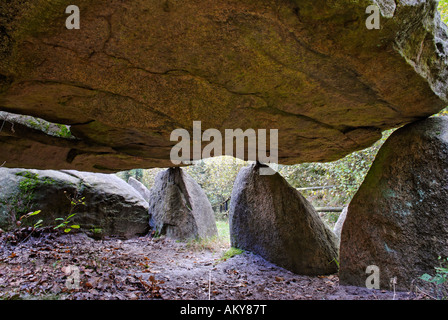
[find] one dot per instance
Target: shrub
(439, 280)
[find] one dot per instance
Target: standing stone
(270, 218)
(398, 219)
(338, 226)
(140, 187)
(179, 208)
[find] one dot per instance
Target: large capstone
(111, 206)
(179, 208)
(272, 219)
(398, 221)
(136, 70)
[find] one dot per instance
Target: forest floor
(76, 267)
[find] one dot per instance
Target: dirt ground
(76, 267)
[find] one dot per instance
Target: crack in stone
(324, 84)
(268, 107)
(109, 36)
(86, 87)
(172, 72)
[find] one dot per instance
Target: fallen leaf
(153, 271)
(278, 279)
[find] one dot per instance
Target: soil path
(77, 267)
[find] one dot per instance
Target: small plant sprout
(36, 225)
(30, 214)
(66, 222)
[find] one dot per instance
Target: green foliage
(335, 261)
(443, 9)
(344, 176)
(439, 279)
(64, 131)
(31, 181)
(231, 253)
(66, 222)
(96, 231)
(19, 234)
(38, 224)
(38, 124)
(30, 214)
(54, 129)
(441, 273)
(215, 243)
(223, 231)
(144, 176)
(216, 176)
(23, 202)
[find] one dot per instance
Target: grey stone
(270, 218)
(397, 220)
(140, 187)
(337, 229)
(112, 207)
(179, 208)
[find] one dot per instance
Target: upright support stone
(398, 219)
(179, 208)
(139, 187)
(270, 218)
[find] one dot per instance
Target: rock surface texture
(270, 218)
(398, 220)
(136, 70)
(112, 207)
(140, 187)
(179, 208)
